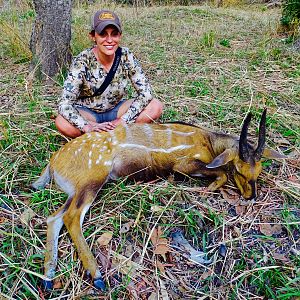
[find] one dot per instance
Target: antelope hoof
(99, 284)
(47, 285)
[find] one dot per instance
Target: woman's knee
(152, 112)
(66, 128)
(157, 108)
(154, 109)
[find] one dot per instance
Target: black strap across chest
(109, 77)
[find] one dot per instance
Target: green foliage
(198, 88)
(208, 39)
(15, 32)
(225, 43)
(291, 15)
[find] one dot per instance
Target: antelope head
(247, 159)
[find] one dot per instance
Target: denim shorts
(101, 117)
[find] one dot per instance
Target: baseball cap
(103, 18)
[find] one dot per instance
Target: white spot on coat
(167, 150)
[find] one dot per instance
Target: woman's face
(108, 40)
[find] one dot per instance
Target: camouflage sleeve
(71, 91)
(142, 87)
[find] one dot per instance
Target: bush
(291, 15)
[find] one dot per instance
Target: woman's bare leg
(67, 129)
(151, 112)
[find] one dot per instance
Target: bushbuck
(142, 151)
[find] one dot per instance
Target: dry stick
(294, 194)
(257, 213)
(152, 230)
(28, 285)
(248, 272)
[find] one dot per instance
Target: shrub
(291, 16)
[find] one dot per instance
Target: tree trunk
(50, 37)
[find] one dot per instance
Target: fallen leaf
(57, 284)
(230, 196)
(157, 208)
(240, 210)
(126, 227)
(3, 220)
(206, 274)
(237, 230)
(27, 215)
(124, 264)
(161, 245)
(268, 229)
(105, 238)
(129, 250)
(180, 243)
(281, 257)
(293, 178)
(104, 259)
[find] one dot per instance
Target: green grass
(210, 66)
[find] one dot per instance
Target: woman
(79, 110)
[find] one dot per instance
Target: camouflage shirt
(87, 74)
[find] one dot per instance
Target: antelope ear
(272, 154)
(222, 159)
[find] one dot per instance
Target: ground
(210, 66)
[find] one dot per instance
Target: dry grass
(210, 66)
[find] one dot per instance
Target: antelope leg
(220, 181)
(73, 220)
(54, 225)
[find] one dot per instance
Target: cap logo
(106, 16)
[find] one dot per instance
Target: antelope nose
(252, 197)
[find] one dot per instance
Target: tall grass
(15, 31)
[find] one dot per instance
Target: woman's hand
(119, 121)
(93, 126)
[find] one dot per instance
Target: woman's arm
(142, 88)
(71, 92)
